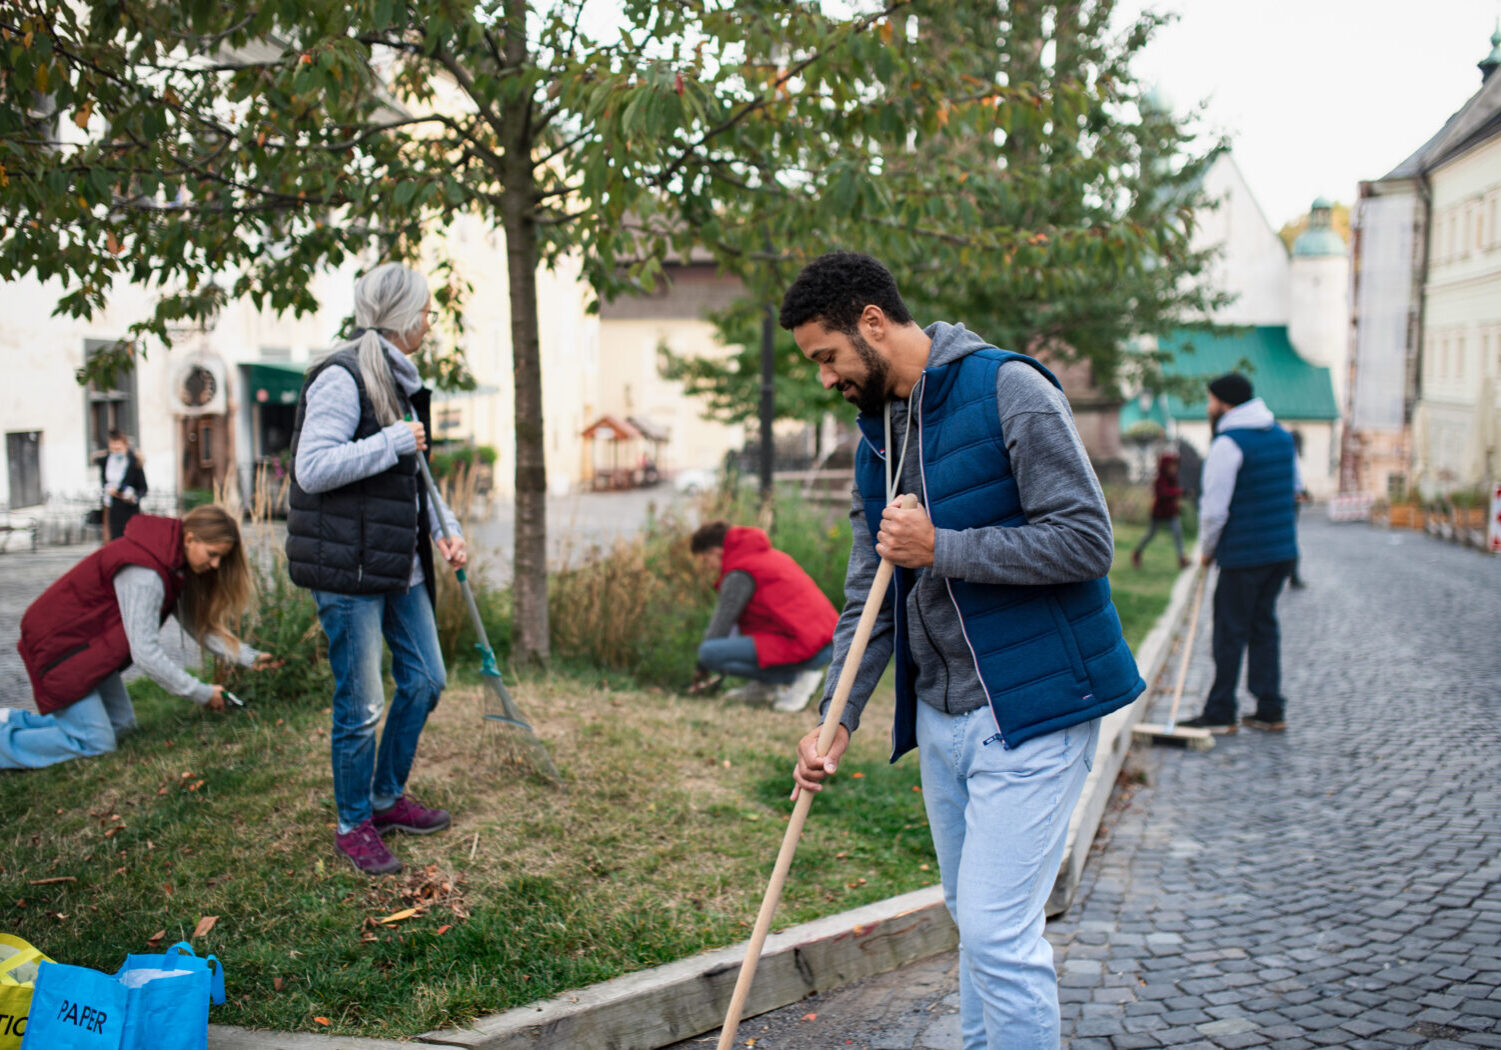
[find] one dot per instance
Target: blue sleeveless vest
(1048, 656)
(1263, 527)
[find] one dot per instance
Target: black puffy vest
(359, 539)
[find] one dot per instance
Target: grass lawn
(659, 847)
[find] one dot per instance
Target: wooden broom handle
(847, 675)
(1188, 645)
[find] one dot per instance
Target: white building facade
(1427, 348)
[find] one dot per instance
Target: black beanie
(1232, 388)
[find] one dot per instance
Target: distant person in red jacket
(107, 612)
(1166, 494)
(772, 624)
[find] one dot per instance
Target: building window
(276, 353)
(23, 463)
(111, 408)
(205, 443)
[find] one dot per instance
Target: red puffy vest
(788, 617)
(72, 637)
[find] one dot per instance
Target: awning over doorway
(272, 383)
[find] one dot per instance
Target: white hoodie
(1223, 464)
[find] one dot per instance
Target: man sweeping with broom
(1008, 649)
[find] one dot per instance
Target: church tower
(1318, 322)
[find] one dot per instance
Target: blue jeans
(80, 730)
(367, 778)
(736, 655)
(999, 818)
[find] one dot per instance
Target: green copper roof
(1316, 241)
(1291, 387)
(1492, 60)
(1321, 203)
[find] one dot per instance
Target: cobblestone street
(1335, 885)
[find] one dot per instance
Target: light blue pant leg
(82, 730)
(353, 625)
(122, 714)
(417, 668)
(999, 819)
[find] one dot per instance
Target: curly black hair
(835, 289)
(708, 537)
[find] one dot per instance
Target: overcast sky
(1317, 95)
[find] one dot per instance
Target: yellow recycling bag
(18, 966)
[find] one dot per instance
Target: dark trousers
(120, 512)
(1245, 621)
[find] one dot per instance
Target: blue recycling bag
(180, 957)
(154, 1002)
(75, 1008)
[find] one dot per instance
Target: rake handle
(847, 675)
(512, 712)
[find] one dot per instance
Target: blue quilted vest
(1263, 526)
(1048, 656)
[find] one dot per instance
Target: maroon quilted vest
(72, 637)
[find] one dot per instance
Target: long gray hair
(388, 301)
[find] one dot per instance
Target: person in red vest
(772, 624)
(1167, 491)
(106, 613)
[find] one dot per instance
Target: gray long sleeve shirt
(735, 592)
(329, 458)
(1067, 538)
(140, 593)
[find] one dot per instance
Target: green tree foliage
(217, 149)
(1037, 193)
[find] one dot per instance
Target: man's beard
(872, 399)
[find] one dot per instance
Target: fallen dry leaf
(444, 928)
(277, 982)
(398, 916)
(810, 1017)
(156, 938)
(52, 881)
(204, 925)
(322, 1021)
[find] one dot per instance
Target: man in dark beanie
(1247, 524)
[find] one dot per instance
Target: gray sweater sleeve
(328, 457)
(735, 593)
(858, 577)
(140, 593)
(1068, 536)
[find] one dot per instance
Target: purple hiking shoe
(366, 851)
(407, 815)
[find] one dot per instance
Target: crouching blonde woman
(106, 613)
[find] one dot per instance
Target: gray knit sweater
(140, 592)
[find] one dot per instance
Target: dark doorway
(24, 463)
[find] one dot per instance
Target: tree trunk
(529, 642)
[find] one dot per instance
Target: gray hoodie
(1067, 537)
